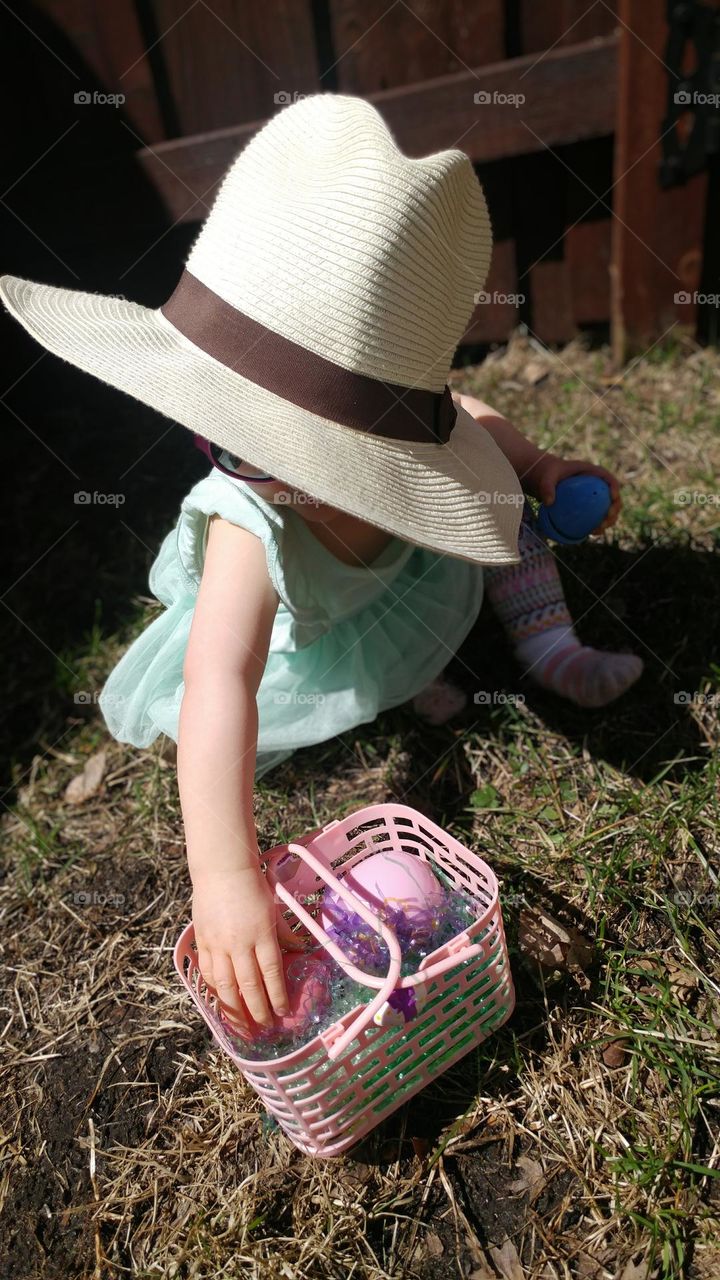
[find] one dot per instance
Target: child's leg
(529, 601)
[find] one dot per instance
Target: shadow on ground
(77, 212)
(659, 601)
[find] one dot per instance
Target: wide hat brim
(462, 498)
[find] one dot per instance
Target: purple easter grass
(364, 946)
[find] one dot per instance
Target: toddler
(335, 556)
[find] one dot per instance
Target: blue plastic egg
(581, 504)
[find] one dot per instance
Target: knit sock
(589, 677)
(439, 701)
(529, 601)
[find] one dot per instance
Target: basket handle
(334, 1040)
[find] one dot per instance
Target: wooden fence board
(494, 320)
(572, 98)
(213, 73)
(563, 22)
(587, 254)
(540, 184)
(586, 242)
(108, 38)
(657, 234)
(226, 61)
(380, 46)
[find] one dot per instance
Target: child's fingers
(614, 511)
(225, 983)
(615, 504)
(269, 959)
(612, 481)
(251, 987)
(206, 966)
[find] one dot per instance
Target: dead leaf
(434, 1245)
(615, 1053)
(85, 784)
(535, 372)
(479, 1261)
(680, 979)
(633, 1271)
(545, 940)
(357, 1175)
(507, 1261)
(588, 1268)
(532, 1178)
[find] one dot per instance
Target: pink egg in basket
(401, 889)
(308, 984)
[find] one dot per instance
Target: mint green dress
(347, 642)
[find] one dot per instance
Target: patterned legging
(528, 597)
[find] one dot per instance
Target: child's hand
(538, 472)
(541, 481)
(234, 914)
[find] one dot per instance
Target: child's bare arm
(520, 452)
(538, 470)
(233, 908)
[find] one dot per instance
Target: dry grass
(582, 1140)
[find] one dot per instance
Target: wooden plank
(551, 301)
(657, 234)
(226, 61)
(552, 253)
(494, 320)
(497, 315)
(572, 98)
(108, 38)
(545, 24)
(539, 186)
(380, 46)
(587, 239)
(587, 254)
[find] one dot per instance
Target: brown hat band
(302, 377)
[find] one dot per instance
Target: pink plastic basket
(330, 1092)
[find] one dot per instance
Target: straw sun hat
(313, 328)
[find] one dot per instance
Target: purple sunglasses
(225, 461)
